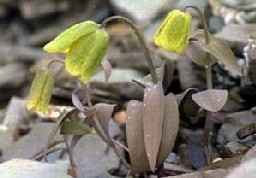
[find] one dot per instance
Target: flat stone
(232, 123)
(91, 158)
(249, 155)
(143, 10)
(12, 75)
(29, 145)
(237, 35)
(218, 173)
(16, 114)
(21, 168)
(247, 169)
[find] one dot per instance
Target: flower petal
(174, 32)
(63, 41)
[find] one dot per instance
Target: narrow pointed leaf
(135, 138)
(153, 114)
(170, 127)
(63, 41)
(76, 101)
(212, 100)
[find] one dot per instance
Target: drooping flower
(85, 45)
(41, 91)
(174, 32)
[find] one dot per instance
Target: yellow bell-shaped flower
(41, 91)
(174, 32)
(85, 45)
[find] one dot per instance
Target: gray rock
(21, 168)
(232, 123)
(91, 158)
(16, 114)
(233, 148)
(12, 75)
(143, 10)
(247, 169)
(237, 35)
(249, 155)
(217, 173)
(198, 3)
(29, 145)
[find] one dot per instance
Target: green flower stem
(208, 72)
(100, 129)
(141, 40)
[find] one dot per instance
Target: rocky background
(25, 26)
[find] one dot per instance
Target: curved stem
(103, 133)
(55, 60)
(206, 29)
(208, 72)
(140, 38)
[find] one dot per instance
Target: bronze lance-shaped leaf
(135, 138)
(170, 127)
(153, 114)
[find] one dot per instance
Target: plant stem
(208, 72)
(71, 158)
(55, 60)
(102, 132)
(141, 40)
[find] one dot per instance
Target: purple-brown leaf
(76, 101)
(170, 127)
(221, 51)
(196, 53)
(104, 113)
(135, 138)
(212, 100)
(153, 115)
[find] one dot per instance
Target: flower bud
(41, 90)
(174, 32)
(85, 45)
